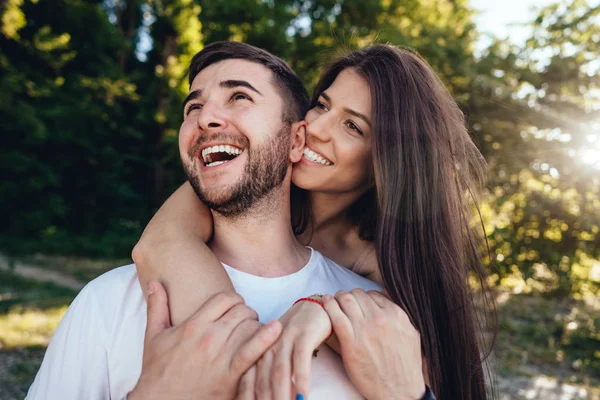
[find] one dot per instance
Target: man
(242, 132)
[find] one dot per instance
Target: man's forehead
(256, 74)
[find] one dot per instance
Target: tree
(69, 161)
(536, 109)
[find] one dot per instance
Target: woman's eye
(321, 106)
(353, 127)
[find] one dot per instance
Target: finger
(215, 307)
(349, 306)
(251, 351)
(385, 292)
(390, 308)
(339, 321)
(246, 385)
(263, 376)
(365, 302)
(281, 377)
(233, 317)
(301, 363)
(158, 317)
(379, 298)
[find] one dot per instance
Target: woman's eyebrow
(350, 111)
(358, 115)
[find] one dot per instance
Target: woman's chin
(303, 179)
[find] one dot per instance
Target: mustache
(228, 137)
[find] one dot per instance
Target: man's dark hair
(293, 93)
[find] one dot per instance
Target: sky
(502, 17)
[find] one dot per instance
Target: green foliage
(536, 109)
(559, 335)
(90, 95)
(70, 149)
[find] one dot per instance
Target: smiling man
(241, 133)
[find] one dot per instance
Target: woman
(385, 189)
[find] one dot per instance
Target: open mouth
(219, 154)
(315, 157)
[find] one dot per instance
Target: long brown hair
(419, 213)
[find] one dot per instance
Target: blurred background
(90, 106)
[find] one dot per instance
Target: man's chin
(216, 196)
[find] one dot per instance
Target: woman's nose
(320, 128)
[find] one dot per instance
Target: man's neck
(261, 242)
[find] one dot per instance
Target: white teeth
(311, 155)
(216, 163)
(231, 150)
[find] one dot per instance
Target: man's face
(234, 146)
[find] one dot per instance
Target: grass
(539, 334)
(29, 311)
(559, 337)
(21, 366)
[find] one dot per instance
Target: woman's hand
(305, 327)
(380, 348)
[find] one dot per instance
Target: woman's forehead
(351, 90)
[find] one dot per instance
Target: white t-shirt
(96, 351)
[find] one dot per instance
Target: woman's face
(337, 157)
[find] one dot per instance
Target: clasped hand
(223, 352)
(205, 356)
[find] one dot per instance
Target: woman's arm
(173, 251)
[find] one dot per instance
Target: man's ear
(298, 140)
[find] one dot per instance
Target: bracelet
(309, 299)
(428, 394)
(319, 302)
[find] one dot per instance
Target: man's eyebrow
(233, 83)
(350, 111)
(192, 96)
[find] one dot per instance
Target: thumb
(158, 315)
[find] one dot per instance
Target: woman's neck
(329, 213)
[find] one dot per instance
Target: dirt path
(39, 274)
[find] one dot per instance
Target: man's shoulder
(114, 288)
(343, 275)
(120, 278)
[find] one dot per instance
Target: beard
(265, 170)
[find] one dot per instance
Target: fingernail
(150, 288)
(271, 324)
(299, 396)
(327, 297)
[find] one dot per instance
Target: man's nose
(211, 119)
